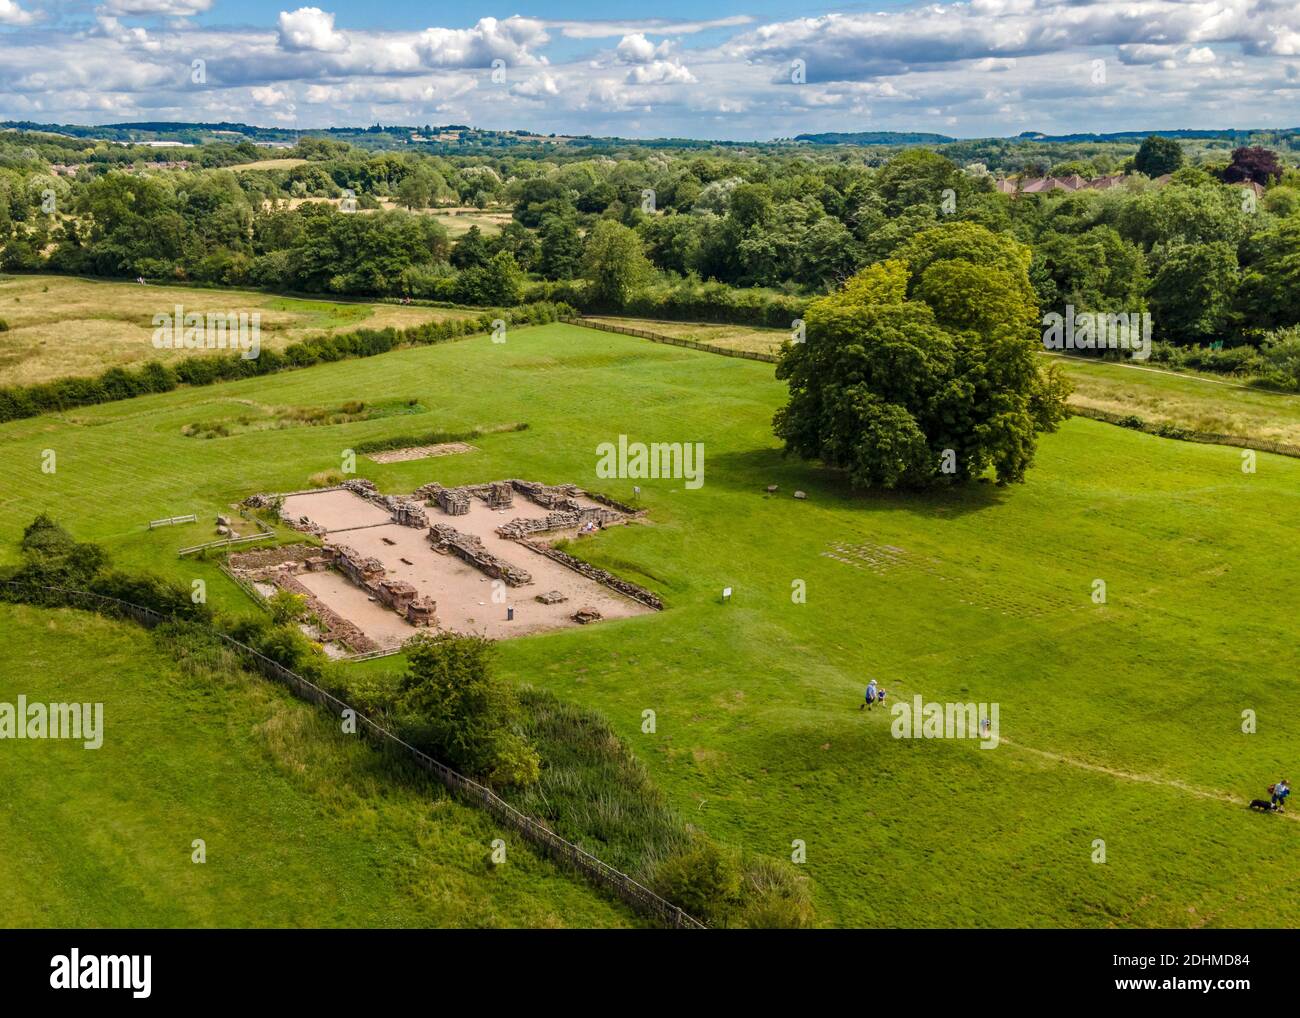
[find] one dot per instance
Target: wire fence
(552, 845)
(658, 337)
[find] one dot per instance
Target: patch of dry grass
(62, 326)
(731, 337)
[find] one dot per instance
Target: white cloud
(845, 46)
(310, 28)
(511, 40)
(659, 26)
(637, 49)
(538, 86)
(12, 14)
(985, 66)
(268, 96)
(150, 8)
(660, 72)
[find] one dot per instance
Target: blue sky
(727, 69)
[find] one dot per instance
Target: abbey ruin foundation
(474, 559)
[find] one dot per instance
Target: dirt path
(1146, 779)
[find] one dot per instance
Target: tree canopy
(922, 368)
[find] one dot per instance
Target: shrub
(326, 479)
(285, 607)
(451, 699)
(1279, 359)
(774, 897)
(701, 880)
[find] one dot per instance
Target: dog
(1263, 805)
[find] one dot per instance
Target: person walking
(869, 697)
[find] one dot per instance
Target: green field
(302, 826)
(61, 326)
(1185, 399)
(1121, 722)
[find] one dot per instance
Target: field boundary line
(625, 887)
(1175, 374)
(1185, 434)
(659, 337)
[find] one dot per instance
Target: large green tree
(614, 261)
(1157, 156)
(922, 368)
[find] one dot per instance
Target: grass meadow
(1121, 722)
(61, 326)
(302, 826)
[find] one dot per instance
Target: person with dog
(1280, 791)
(869, 697)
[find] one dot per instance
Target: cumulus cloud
(660, 72)
(659, 26)
(845, 46)
(12, 14)
(986, 66)
(310, 28)
(537, 87)
(511, 40)
(637, 49)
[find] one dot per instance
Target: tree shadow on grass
(754, 469)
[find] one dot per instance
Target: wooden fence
(225, 542)
(657, 337)
(551, 844)
(171, 521)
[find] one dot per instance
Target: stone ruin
(364, 572)
(601, 576)
(400, 596)
(447, 539)
(279, 567)
(408, 512)
(559, 496)
(498, 494)
(565, 513)
(579, 519)
(452, 501)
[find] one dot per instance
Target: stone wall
(261, 558)
(364, 572)
(470, 549)
(333, 627)
(566, 519)
(601, 576)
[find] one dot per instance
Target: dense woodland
(728, 234)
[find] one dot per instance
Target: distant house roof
(1072, 182)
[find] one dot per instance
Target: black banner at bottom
(337, 967)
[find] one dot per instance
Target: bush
(4, 326)
(774, 897)
(451, 700)
(286, 607)
(701, 880)
(1279, 359)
